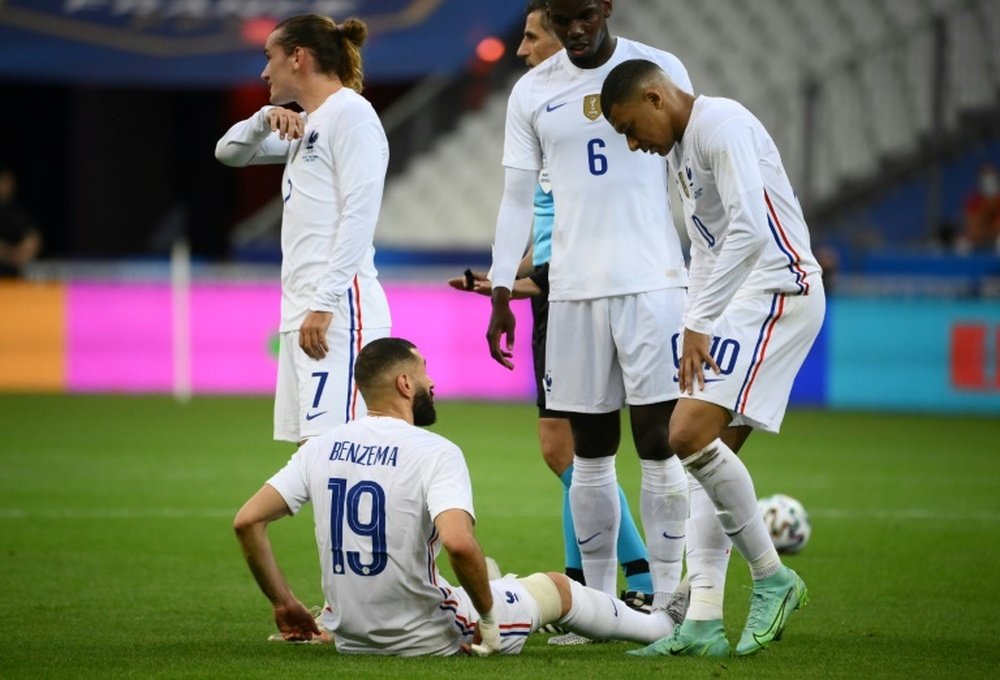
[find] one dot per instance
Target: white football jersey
(332, 192)
(613, 233)
(747, 231)
(376, 485)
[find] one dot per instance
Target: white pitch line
(921, 514)
(118, 513)
(850, 514)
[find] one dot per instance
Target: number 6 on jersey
(598, 162)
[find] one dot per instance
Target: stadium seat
(872, 62)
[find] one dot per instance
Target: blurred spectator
(20, 241)
(982, 213)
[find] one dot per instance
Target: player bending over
(755, 305)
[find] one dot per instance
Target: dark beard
(423, 409)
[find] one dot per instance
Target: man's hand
(312, 334)
(523, 288)
(479, 283)
(694, 356)
(287, 123)
(501, 324)
(489, 636)
(295, 622)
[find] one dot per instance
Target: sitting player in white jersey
(755, 306)
(386, 496)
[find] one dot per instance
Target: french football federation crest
(592, 106)
(311, 140)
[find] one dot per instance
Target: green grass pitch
(117, 557)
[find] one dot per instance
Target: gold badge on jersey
(682, 184)
(592, 106)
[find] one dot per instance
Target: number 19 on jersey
(346, 509)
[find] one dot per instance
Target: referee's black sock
(577, 574)
(634, 567)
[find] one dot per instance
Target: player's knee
(556, 441)
(596, 435)
(695, 424)
(650, 430)
(557, 460)
(683, 437)
(652, 443)
(551, 592)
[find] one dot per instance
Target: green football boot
(773, 600)
(691, 638)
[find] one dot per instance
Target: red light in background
(490, 49)
(255, 31)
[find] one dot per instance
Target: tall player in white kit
(335, 155)
(755, 306)
(554, 432)
(617, 281)
(386, 496)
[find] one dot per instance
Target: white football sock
(727, 482)
(663, 504)
(708, 550)
(600, 616)
(593, 497)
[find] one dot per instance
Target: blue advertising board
(914, 355)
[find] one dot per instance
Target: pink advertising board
(234, 329)
(120, 339)
(449, 327)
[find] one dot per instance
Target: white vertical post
(180, 288)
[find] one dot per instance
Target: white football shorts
(759, 343)
(604, 353)
(313, 395)
(516, 611)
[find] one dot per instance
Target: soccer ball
(787, 522)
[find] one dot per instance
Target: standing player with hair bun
(336, 155)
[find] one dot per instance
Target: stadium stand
(852, 90)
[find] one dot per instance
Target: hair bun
(354, 30)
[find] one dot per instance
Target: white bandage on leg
(546, 594)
